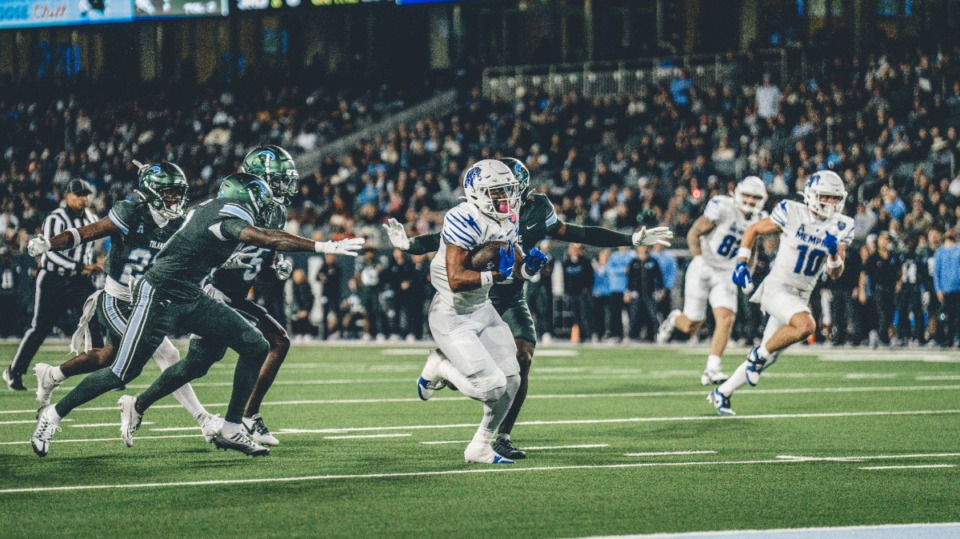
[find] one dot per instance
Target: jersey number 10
(813, 261)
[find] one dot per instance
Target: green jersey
(235, 283)
(209, 235)
(132, 254)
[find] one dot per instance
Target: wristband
(320, 246)
(523, 271)
(486, 277)
(744, 252)
(834, 264)
(76, 236)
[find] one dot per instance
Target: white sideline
(667, 453)
(694, 393)
(358, 436)
(347, 430)
(498, 469)
(879, 531)
(578, 446)
(914, 467)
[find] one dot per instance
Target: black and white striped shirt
(70, 261)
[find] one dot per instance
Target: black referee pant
(56, 296)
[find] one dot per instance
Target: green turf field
(621, 441)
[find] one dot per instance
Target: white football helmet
(493, 189)
(751, 185)
(825, 183)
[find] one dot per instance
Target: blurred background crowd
(885, 120)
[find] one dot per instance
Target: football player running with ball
(813, 237)
(138, 230)
(536, 220)
(714, 241)
(479, 353)
(169, 296)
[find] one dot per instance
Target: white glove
(283, 267)
(397, 234)
(37, 246)
(348, 247)
(653, 236)
(239, 261)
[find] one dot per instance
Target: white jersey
(467, 228)
(720, 245)
(801, 256)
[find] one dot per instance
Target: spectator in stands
(668, 270)
(947, 284)
(369, 275)
(300, 305)
(645, 289)
(578, 286)
(910, 297)
(399, 275)
(418, 294)
(618, 266)
(602, 308)
(330, 277)
(882, 274)
(768, 99)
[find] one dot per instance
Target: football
(486, 257)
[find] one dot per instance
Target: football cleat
(712, 377)
(210, 425)
(721, 402)
(239, 441)
(47, 426)
(666, 327)
(483, 454)
(258, 431)
(45, 382)
(503, 447)
(430, 379)
(129, 418)
(14, 381)
(755, 366)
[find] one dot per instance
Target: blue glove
(534, 262)
(507, 258)
(830, 242)
(741, 275)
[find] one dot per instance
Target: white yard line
(342, 477)
(639, 394)
(880, 531)
(443, 442)
(95, 425)
(359, 436)
(939, 377)
(552, 447)
(348, 430)
(668, 453)
(913, 467)
(861, 458)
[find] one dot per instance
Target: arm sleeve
(424, 244)
(230, 228)
(122, 215)
(595, 235)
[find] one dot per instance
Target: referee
(63, 281)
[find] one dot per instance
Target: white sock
(504, 437)
(188, 399)
(52, 415)
(762, 351)
(736, 380)
(713, 362)
(57, 375)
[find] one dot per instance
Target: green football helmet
(164, 188)
(521, 173)
(276, 167)
(249, 190)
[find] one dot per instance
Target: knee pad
(491, 385)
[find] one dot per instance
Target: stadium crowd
(887, 123)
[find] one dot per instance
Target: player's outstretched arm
(837, 251)
(279, 240)
(418, 245)
(72, 237)
(603, 237)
